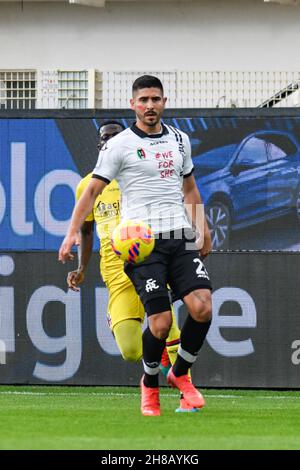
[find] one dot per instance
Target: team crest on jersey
(141, 153)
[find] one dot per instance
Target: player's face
(148, 105)
(107, 132)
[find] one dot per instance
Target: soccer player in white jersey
(153, 166)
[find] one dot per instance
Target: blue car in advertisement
(249, 181)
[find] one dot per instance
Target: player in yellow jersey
(125, 310)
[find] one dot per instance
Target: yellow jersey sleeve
(79, 190)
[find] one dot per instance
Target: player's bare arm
(85, 249)
(195, 208)
(83, 207)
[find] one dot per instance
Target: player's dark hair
(108, 123)
(147, 81)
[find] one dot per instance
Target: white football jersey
(150, 171)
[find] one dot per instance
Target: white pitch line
(116, 394)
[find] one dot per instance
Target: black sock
(193, 334)
(181, 366)
(152, 351)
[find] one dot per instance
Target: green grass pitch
(42, 417)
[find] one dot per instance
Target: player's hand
(207, 244)
(66, 247)
(204, 245)
(74, 279)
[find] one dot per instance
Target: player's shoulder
(117, 140)
(178, 134)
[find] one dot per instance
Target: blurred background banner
(247, 167)
(55, 336)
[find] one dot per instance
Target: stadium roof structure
(284, 2)
(103, 3)
(91, 3)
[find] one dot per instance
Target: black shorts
(175, 262)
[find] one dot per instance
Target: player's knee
(161, 332)
(201, 310)
(131, 353)
(199, 305)
(128, 335)
(204, 313)
(161, 327)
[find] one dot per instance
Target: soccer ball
(132, 241)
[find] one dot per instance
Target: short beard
(153, 123)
